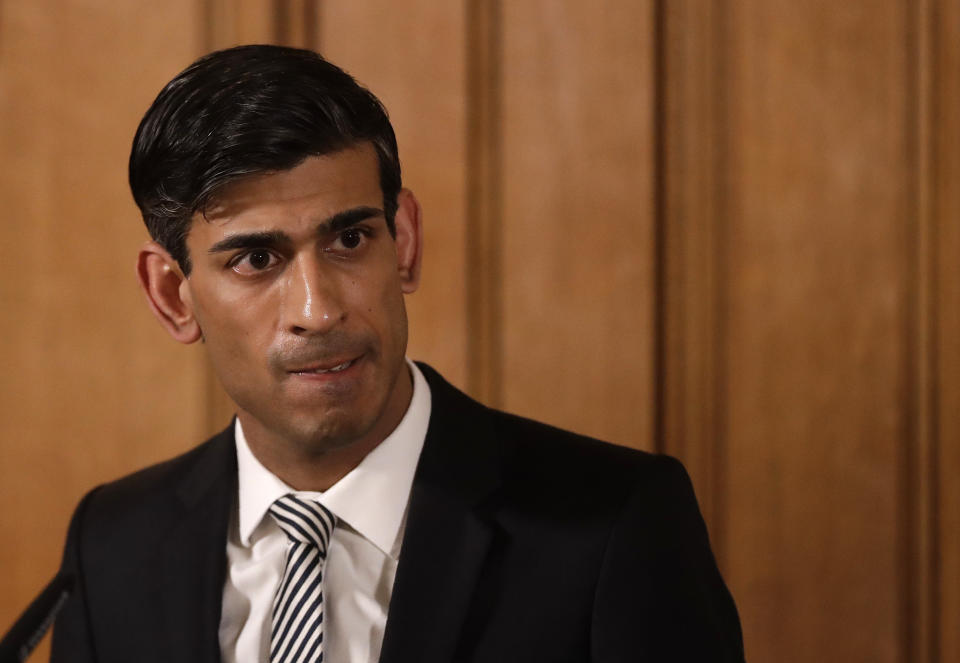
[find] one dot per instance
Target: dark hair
(242, 111)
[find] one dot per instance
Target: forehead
(318, 187)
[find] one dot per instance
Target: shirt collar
(371, 498)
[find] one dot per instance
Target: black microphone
(27, 632)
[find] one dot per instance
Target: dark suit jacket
(523, 543)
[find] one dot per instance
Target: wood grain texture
(690, 254)
(412, 57)
(228, 23)
(810, 357)
(945, 247)
(577, 228)
(92, 387)
(296, 23)
(484, 53)
(812, 264)
(919, 539)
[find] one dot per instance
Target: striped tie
(297, 628)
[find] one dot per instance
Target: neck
(312, 472)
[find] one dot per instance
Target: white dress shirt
(370, 504)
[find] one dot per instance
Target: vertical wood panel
(918, 540)
(945, 203)
(412, 58)
(577, 229)
(692, 191)
(92, 387)
(819, 255)
(297, 22)
(484, 54)
(228, 23)
(792, 329)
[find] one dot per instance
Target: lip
(325, 369)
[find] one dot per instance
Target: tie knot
(305, 521)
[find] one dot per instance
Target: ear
(168, 292)
(409, 240)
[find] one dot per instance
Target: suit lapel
(447, 536)
(193, 558)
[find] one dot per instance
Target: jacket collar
(447, 533)
(194, 558)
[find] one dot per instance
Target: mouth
(325, 368)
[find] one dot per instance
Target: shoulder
(144, 499)
(551, 448)
(551, 461)
(588, 469)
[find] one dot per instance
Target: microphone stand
(30, 628)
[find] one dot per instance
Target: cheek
(379, 301)
(233, 328)
(394, 316)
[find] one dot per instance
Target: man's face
(297, 286)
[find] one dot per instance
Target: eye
(350, 239)
(254, 261)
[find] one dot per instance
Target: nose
(311, 302)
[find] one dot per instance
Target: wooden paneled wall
(91, 386)
(808, 314)
(725, 230)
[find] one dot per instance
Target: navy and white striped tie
(297, 628)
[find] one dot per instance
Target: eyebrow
(276, 238)
(349, 217)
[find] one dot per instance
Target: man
(359, 508)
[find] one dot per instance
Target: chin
(319, 437)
